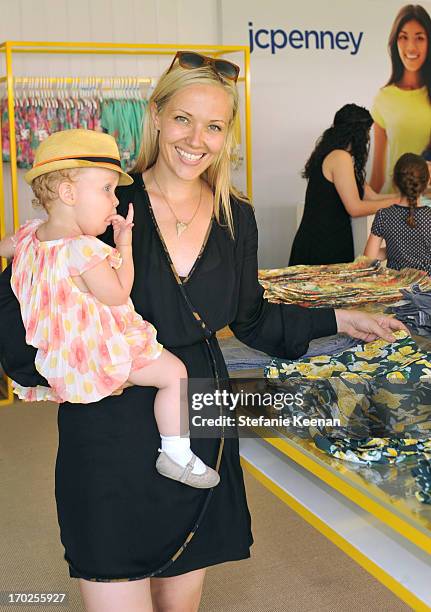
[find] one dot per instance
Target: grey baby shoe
(171, 469)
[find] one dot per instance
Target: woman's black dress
(119, 519)
(325, 233)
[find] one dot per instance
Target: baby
(74, 290)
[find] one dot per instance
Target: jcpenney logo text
(304, 39)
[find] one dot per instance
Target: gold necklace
(180, 225)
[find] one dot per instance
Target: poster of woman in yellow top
(402, 108)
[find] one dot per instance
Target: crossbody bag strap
(205, 329)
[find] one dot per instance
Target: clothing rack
(43, 105)
(81, 85)
(12, 82)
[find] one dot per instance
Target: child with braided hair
(405, 226)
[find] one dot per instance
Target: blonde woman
(136, 541)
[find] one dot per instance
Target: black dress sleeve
(16, 356)
(280, 330)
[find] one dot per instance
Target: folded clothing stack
(415, 312)
(361, 282)
(238, 356)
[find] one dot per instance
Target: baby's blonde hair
(45, 187)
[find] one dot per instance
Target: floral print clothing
(378, 391)
(360, 282)
(422, 474)
(36, 119)
(381, 394)
(397, 361)
(123, 119)
(86, 349)
(371, 451)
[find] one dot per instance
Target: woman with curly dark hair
(402, 108)
(336, 190)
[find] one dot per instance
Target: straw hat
(77, 149)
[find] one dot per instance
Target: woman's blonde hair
(218, 174)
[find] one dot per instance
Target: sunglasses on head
(191, 60)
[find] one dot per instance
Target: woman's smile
(188, 157)
(412, 45)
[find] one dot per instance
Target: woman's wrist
(340, 317)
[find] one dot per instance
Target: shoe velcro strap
(188, 469)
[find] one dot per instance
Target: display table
(369, 512)
(362, 528)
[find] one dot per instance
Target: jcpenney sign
(304, 39)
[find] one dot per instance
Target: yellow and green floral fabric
(380, 393)
(422, 474)
(398, 362)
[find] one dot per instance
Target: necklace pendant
(181, 227)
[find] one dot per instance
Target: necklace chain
(180, 225)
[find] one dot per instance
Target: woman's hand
(7, 246)
(370, 194)
(366, 326)
(339, 166)
(122, 227)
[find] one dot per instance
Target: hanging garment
(123, 118)
(36, 118)
(5, 130)
(236, 156)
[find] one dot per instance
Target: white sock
(178, 449)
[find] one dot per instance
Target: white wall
(129, 21)
(133, 21)
(295, 93)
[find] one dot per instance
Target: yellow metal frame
(10, 47)
(388, 581)
(376, 507)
